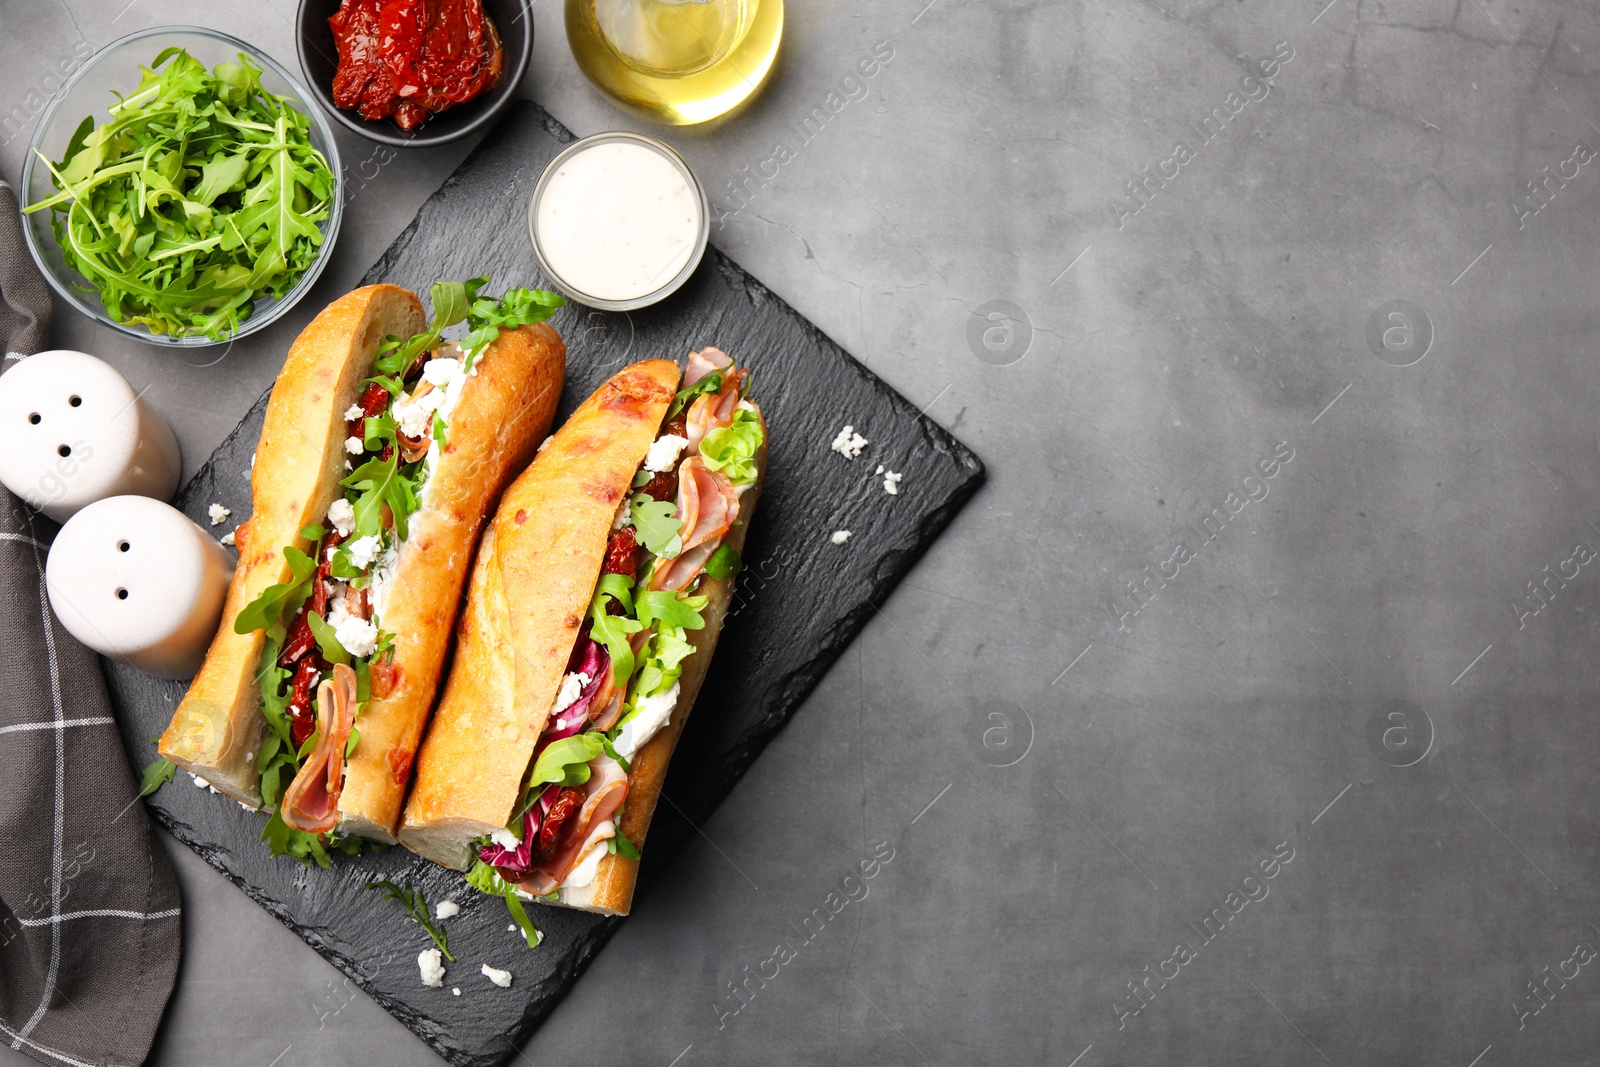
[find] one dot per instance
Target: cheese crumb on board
(891, 482)
(497, 976)
(446, 909)
(218, 513)
(430, 961)
(849, 443)
(227, 538)
(840, 536)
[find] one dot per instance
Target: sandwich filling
(326, 652)
(622, 680)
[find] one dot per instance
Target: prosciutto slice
(704, 362)
(678, 572)
(713, 410)
(607, 789)
(707, 504)
(311, 803)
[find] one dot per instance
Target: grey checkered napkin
(89, 922)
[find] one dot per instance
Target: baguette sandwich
(594, 607)
(383, 451)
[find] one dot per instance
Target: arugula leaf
(350, 744)
(267, 610)
(200, 195)
(611, 750)
(613, 631)
(382, 481)
(732, 449)
(485, 879)
(668, 607)
(711, 383)
(657, 524)
(327, 640)
(618, 845)
(156, 775)
(410, 898)
(724, 562)
(283, 840)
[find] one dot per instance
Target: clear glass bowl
(89, 92)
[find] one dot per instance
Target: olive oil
(678, 61)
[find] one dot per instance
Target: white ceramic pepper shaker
(135, 579)
(76, 432)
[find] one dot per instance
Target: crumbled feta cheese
(438, 371)
(505, 839)
(650, 715)
(571, 689)
(342, 514)
(227, 538)
(430, 961)
(354, 445)
(353, 412)
(414, 414)
(456, 991)
(497, 976)
(840, 537)
(201, 782)
(879, 470)
(446, 909)
(358, 636)
(624, 514)
(745, 405)
(338, 602)
(363, 550)
(849, 443)
(891, 483)
(217, 513)
(664, 452)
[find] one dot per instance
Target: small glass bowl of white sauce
(618, 221)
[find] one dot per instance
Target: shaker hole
(64, 451)
(35, 418)
(122, 594)
(75, 401)
(123, 546)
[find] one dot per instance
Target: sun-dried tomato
(620, 553)
(303, 722)
(567, 802)
(663, 485)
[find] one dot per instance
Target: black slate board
(800, 600)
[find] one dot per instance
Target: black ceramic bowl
(319, 59)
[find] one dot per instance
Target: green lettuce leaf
(724, 562)
(732, 449)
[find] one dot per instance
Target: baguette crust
(530, 590)
(503, 413)
(611, 892)
(217, 728)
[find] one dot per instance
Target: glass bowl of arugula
(181, 188)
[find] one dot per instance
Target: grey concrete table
(1245, 716)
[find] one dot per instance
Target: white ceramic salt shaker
(135, 579)
(76, 432)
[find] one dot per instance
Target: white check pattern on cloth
(57, 725)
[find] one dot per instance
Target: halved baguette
(530, 590)
(611, 891)
(217, 728)
(503, 413)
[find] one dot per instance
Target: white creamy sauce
(583, 873)
(618, 221)
(650, 716)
